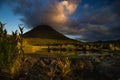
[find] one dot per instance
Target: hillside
(44, 34)
(109, 41)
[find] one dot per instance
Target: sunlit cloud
(52, 12)
(63, 9)
(69, 7)
(91, 19)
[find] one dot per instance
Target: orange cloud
(63, 10)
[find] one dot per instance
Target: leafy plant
(64, 66)
(11, 50)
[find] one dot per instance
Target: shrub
(11, 50)
(64, 66)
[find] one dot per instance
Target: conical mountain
(44, 32)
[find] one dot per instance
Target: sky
(84, 20)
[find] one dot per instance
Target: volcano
(44, 32)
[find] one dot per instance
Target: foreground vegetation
(11, 51)
(15, 65)
(100, 67)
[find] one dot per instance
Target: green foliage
(10, 49)
(64, 66)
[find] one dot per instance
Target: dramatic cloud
(45, 11)
(87, 20)
(101, 23)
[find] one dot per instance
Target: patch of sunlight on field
(33, 49)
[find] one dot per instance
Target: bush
(11, 50)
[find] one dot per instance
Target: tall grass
(64, 66)
(11, 50)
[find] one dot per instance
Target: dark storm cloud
(33, 12)
(116, 7)
(51, 12)
(92, 19)
(102, 23)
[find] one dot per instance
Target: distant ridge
(44, 32)
(109, 41)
